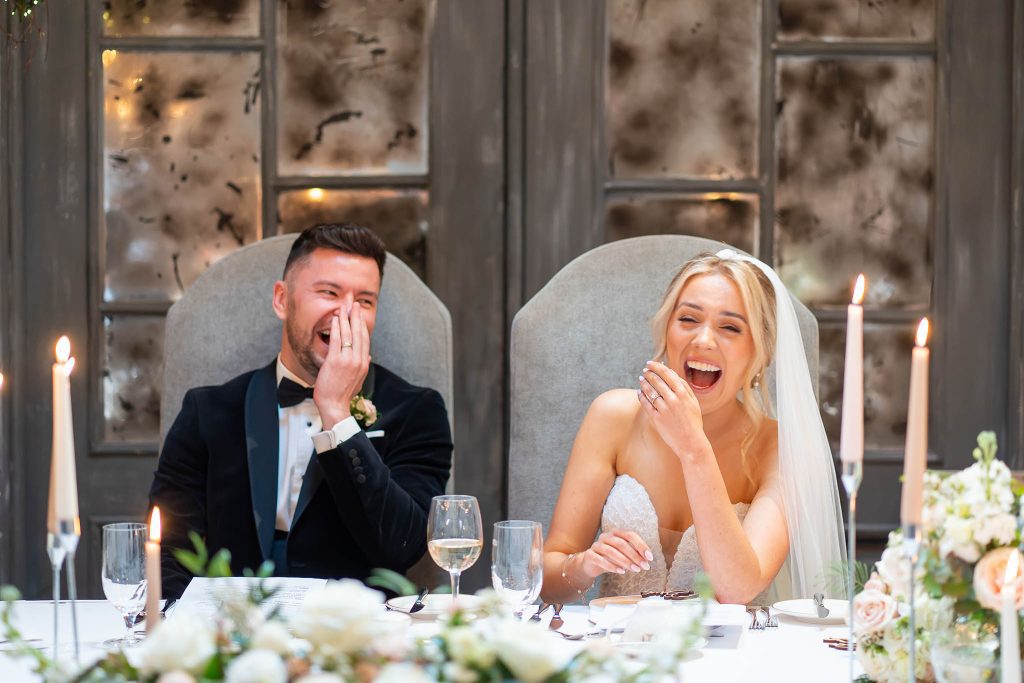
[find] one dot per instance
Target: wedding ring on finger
(346, 345)
(653, 397)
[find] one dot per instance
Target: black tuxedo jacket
(362, 505)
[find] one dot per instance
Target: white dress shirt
(300, 429)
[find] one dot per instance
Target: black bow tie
(291, 393)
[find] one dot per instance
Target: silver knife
(419, 604)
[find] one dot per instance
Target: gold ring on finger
(346, 345)
(654, 397)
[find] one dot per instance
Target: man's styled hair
(345, 237)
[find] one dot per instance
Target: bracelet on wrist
(568, 581)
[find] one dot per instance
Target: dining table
(794, 651)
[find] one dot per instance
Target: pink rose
(872, 611)
(875, 583)
(989, 576)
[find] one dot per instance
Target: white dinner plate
(434, 605)
(805, 610)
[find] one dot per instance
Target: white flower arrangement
(969, 526)
(343, 635)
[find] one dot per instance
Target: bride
(688, 472)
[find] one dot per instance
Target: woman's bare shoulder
(618, 405)
(608, 420)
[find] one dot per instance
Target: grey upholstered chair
(224, 325)
(585, 332)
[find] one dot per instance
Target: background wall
(490, 142)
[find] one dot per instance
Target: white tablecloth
(793, 652)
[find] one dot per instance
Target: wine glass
(124, 575)
(517, 562)
(454, 535)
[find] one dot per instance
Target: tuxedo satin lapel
(368, 383)
(310, 482)
(261, 443)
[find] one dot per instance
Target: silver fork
(770, 621)
(755, 623)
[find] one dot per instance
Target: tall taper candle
(851, 448)
(153, 573)
(915, 456)
(63, 481)
(1009, 623)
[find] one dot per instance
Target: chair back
(587, 331)
(224, 325)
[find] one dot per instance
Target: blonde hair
(758, 297)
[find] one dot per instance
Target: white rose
(467, 647)
(402, 673)
(528, 652)
(874, 658)
(873, 610)
(184, 642)
(176, 677)
(257, 666)
(340, 618)
(894, 569)
(273, 636)
(390, 635)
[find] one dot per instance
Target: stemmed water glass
(454, 535)
(124, 575)
(517, 562)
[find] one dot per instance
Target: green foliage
(835, 576)
(199, 563)
(391, 581)
(702, 586)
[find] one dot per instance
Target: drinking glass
(124, 575)
(965, 652)
(454, 535)
(517, 562)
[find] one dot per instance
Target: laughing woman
(689, 472)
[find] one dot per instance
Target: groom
(320, 461)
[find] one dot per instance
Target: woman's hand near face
(669, 403)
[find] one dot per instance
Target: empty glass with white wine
(455, 535)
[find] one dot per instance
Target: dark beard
(302, 347)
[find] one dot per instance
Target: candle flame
(1012, 566)
(154, 525)
(859, 290)
(922, 332)
(63, 349)
(315, 194)
(1, 380)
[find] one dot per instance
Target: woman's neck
(727, 424)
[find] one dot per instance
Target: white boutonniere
(363, 410)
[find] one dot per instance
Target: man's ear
(280, 299)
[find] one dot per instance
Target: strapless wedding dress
(629, 508)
